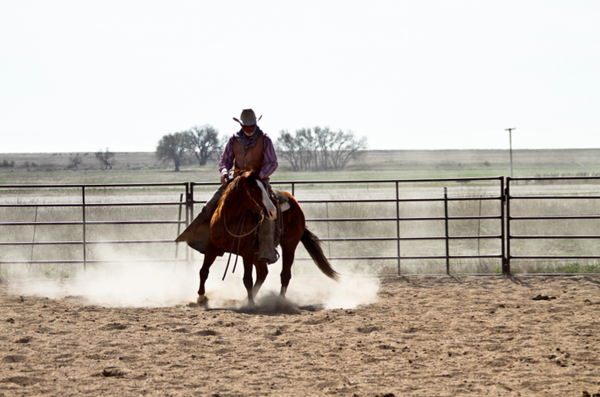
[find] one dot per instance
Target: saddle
(281, 200)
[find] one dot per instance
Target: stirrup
(276, 255)
(269, 262)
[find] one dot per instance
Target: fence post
(446, 227)
(189, 217)
(84, 237)
(179, 224)
(33, 238)
(398, 225)
(328, 231)
(506, 259)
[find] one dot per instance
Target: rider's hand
(224, 179)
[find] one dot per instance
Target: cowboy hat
(247, 117)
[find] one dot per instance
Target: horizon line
(366, 150)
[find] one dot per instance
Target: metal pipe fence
(541, 203)
(77, 201)
(303, 190)
(418, 226)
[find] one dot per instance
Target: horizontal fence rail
(395, 189)
(517, 193)
(51, 198)
(428, 226)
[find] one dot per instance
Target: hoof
(202, 301)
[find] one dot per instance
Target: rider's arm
(269, 158)
(227, 159)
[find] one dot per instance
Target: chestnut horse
(234, 228)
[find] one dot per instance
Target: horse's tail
(313, 245)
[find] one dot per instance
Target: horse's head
(254, 193)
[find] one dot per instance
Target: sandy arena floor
(424, 336)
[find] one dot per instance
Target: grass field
(143, 167)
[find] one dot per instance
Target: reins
(239, 236)
(262, 218)
(241, 225)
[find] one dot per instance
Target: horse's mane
(234, 186)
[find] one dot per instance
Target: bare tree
(319, 148)
(106, 158)
(74, 163)
(289, 149)
(343, 147)
(203, 143)
(308, 148)
(174, 147)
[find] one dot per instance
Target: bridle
(262, 218)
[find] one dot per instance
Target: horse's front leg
(209, 257)
(261, 274)
(248, 262)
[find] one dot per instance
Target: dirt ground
(425, 336)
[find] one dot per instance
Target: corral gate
(445, 226)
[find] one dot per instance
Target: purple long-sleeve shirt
(269, 158)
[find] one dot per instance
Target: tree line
(318, 149)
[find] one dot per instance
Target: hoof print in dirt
(368, 329)
(23, 380)
(112, 372)
(114, 326)
(14, 359)
(543, 298)
(207, 332)
(587, 394)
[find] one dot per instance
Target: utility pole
(510, 143)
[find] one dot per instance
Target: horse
(234, 229)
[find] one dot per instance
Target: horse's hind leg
(209, 257)
(286, 268)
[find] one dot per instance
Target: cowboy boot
(197, 234)
(266, 244)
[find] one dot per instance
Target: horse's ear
(247, 174)
(256, 169)
(237, 172)
(233, 185)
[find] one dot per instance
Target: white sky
(87, 75)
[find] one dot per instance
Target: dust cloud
(148, 284)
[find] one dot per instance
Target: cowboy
(248, 148)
